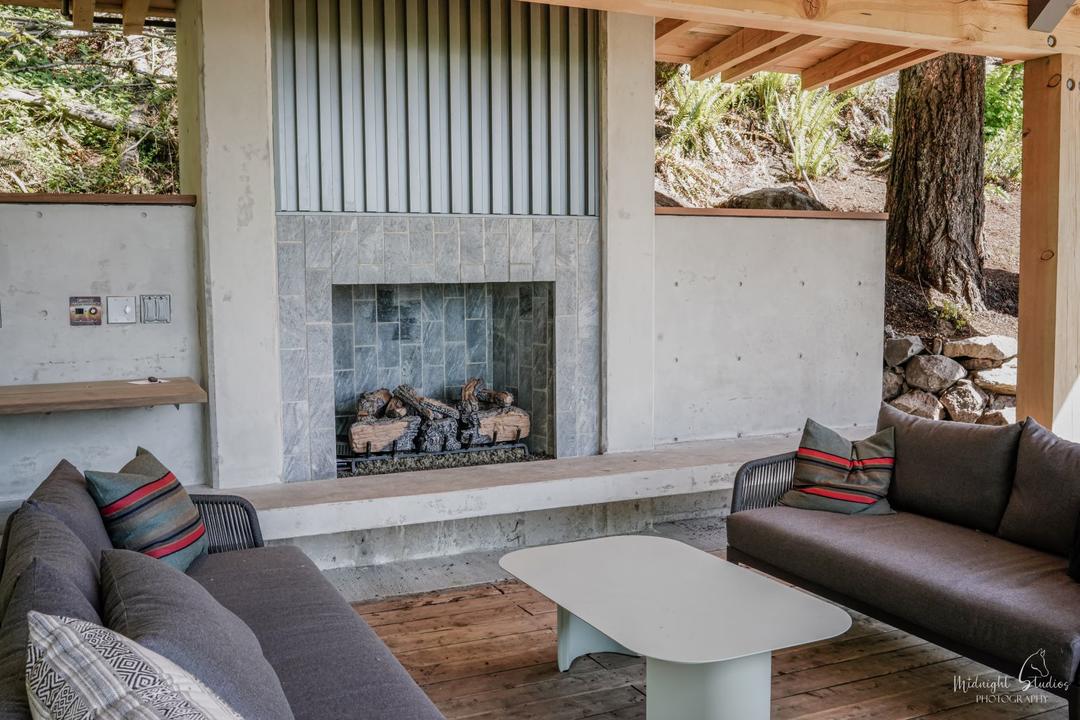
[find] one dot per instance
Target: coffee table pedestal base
(578, 638)
(731, 690)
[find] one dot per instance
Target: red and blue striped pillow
(146, 509)
(834, 474)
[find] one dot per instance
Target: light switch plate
(121, 310)
(156, 308)
(84, 310)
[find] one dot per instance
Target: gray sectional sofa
(330, 664)
(975, 559)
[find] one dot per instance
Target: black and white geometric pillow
(76, 670)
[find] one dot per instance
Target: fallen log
(373, 404)
(428, 408)
(383, 435)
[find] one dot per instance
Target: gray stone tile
(521, 273)
(389, 378)
(444, 224)
(369, 274)
(295, 427)
(317, 241)
(389, 345)
(290, 228)
(496, 257)
(543, 225)
(410, 321)
(292, 321)
(297, 466)
(341, 296)
(566, 243)
(496, 225)
(363, 292)
(369, 241)
(447, 252)
(294, 375)
(432, 299)
(476, 340)
(364, 328)
(521, 240)
(320, 350)
(323, 455)
(454, 290)
(471, 234)
(421, 225)
(343, 223)
(396, 255)
(455, 364)
(472, 273)
(566, 295)
(319, 299)
(566, 435)
(543, 256)
(422, 274)
(395, 224)
(480, 370)
(476, 302)
(366, 369)
(345, 392)
(412, 365)
(455, 319)
(434, 384)
(321, 403)
(343, 346)
(345, 257)
(386, 297)
(408, 292)
(434, 341)
(291, 269)
(421, 246)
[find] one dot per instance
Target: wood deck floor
(489, 652)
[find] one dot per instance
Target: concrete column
(226, 160)
(627, 149)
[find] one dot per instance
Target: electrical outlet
(121, 310)
(156, 308)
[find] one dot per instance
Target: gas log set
(403, 421)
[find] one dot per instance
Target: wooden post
(1049, 375)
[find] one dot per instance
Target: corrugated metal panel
(436, 106)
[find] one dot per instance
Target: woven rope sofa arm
(231, 522)
(760, 483)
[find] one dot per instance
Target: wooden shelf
(101, 395)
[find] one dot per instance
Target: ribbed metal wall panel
(436, 106)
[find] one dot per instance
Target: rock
(779, 198)
(964, 401)
(975, 364)
(937, 345)
(662, 199)
(892, 384)
(899, 350)
(1000, 381)
(1005, 416)
(890, 333)
(921, 404)
(1000, 402)
(990, 347)
(933, 373)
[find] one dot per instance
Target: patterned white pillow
(76, 670)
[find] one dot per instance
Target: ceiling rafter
(914, 57)
(1046, 15)
(855, 60)
(731, 51)
(669, 29)
(770, 58)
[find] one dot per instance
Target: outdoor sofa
(975, 558)
(330, 664)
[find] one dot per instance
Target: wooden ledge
(86, 199)
(794, 214)
(98, 395)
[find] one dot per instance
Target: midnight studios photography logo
(1034, 684)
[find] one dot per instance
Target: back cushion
(36, 534)
(168, 612)
(1045, 501)
(64, 496)
(44, 589)
(955, 472)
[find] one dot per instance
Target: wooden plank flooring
(488, 652)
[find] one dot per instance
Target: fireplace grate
(349, 461)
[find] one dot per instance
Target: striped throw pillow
(835, 474)
(146, 509)
(76, 670)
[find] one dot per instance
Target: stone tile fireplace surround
(318, 251)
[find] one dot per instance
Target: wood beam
(1044, 15)
(772, 57)
(856, 60)
(82, 14)
(1049, 368)
(914, 57)
(981, 27)
(672, 28)
(731, 51)
(135, 16)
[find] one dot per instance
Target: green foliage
(880, 138)
(85, 112)
(1004, 128)
(949, 312)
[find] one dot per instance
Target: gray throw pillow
(40, 588)
(1045, 500)
(955, 472)
(164, 610)
(35, 533)
(64, 496)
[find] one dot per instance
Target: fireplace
(460, 371)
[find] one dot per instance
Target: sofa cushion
(35, 533)
(956, 472)
(330, 663)
(78, 670)
(164, 610)
(1045, 500)
(146, 509)
(977, 589)
(65, 496)
(40, 588)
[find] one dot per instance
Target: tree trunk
(935, 192)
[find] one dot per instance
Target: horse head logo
(1034, 670)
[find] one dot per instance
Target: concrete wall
(51, 252)
(762, 322)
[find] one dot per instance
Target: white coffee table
(706, 627)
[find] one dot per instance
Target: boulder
(964, 401)
(663, 199)
(777, 198)
(1000, 381)
(890, 333)
(899, 350)
(920, 403)
(975, 364)
(892, 384)
(1005, 416)
(933, 373)
(1000, 402)
(989, 347)
(937, 344)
